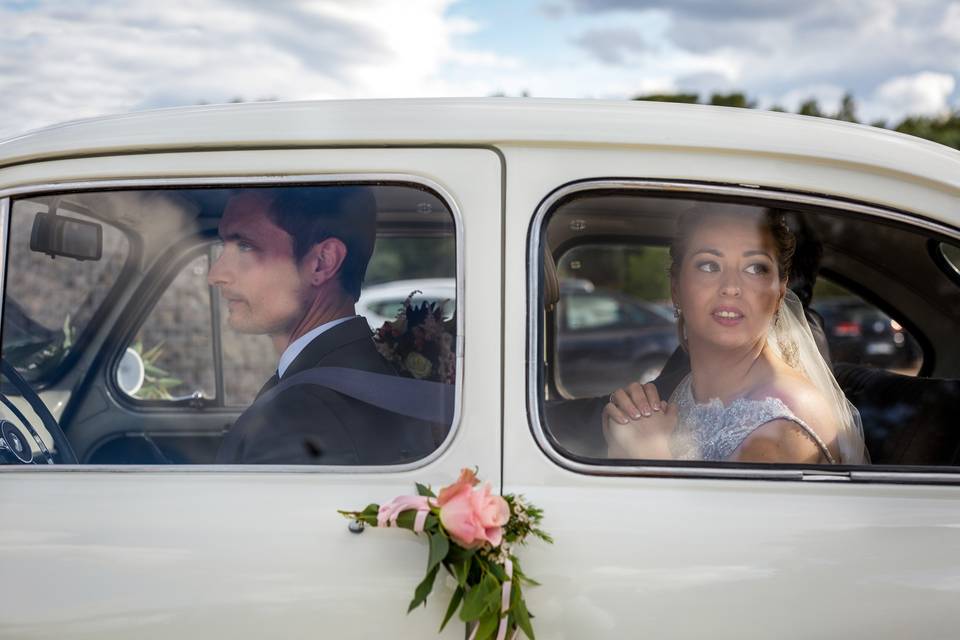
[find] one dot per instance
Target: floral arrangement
(419, 342)
(472, 534)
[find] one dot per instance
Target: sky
(68, 59)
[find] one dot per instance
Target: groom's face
(729, 287)
(264, 290)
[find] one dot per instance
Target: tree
(848, 109)
(736, 99)
(687, 98)
(810, 108)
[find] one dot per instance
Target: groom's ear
(323, 261)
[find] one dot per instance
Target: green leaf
(461, 570)
(498, 571)
(423, 589)
(478, 599)
(406, 518)
(519, 609)
(458, 554)
(455, 601)
(439, 545)
(488, 626)
(424, 490)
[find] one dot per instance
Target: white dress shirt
(294, 348)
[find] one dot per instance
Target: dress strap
(810, 432)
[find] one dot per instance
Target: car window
(234, 336)
(883, 333)
(174, 345)
(49, 306)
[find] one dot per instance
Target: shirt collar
(294, 348)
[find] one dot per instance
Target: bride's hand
(633, 402)
(648, 435)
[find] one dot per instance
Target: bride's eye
(758, 269)
(708, 266)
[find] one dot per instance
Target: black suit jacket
(310, 424)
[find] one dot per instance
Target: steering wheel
(12, 438)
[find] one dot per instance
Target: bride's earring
(788, 347)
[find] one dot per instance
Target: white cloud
(950, 26)
(79, 60)
(925, 93)
(784, 52)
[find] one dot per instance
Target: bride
(758, 388)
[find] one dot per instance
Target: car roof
(490, 122)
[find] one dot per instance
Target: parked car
(857, 332)
(118, 522)
(380, 303)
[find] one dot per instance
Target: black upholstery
(906, 420)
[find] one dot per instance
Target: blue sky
(65, 59)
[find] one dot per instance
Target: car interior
(892, 262)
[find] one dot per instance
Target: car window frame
(373, 179)
(746, 194)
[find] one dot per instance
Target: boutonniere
(473, 535)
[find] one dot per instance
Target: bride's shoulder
(802, 398)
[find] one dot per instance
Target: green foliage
(407, 258)
(157, 381)
(943, 129)
(688, 98)
(736, 99)
(810, 108)
(637, 271)
(848, 109)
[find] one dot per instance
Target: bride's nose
(730, 286)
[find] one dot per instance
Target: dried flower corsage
(419, 341)
(473, 534)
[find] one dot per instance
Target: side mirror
(61, 236)
(130, 373)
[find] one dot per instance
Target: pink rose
(472, 517)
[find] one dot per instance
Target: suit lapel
(345, 333)
(269, 384)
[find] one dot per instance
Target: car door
(720, 550)
(150, 550)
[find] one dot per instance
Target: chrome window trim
(95, 185)
(4, 222)
(534, 334)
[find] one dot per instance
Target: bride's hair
(770, 220)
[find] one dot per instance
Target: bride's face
(728, 286)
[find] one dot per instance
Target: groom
(292, 264)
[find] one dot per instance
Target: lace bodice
(712, 431)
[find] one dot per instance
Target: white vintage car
(122, 375)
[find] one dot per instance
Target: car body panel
(188, 552)
(242, 551)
